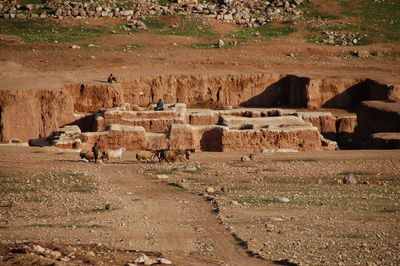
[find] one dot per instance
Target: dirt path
(143, 213)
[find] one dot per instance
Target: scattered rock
(210, 190)
(190, 168)
(162, 176)
(75, 47)
(143, 259)
(275, 219)
(349, 179)
(245, 158)
(220, 43)
(224, 189)
(55, 255)
(282, 199)
(38, 249)
(234, 202)
(163, 261)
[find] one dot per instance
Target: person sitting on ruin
(160, 105)
(95, 151)
(111, 79)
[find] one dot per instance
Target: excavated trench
(31, 114)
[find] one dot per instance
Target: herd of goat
(146, 156)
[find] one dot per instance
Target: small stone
(234, 202)
(91, 253)
(252, 157)
(55, 254)
(355, 41)
(220, 43)
(320, 182)
(162, 176)
(282, 199)
(174, 44)
(349, 179)
(107, 207)
(224, 189)
(91, 45)
(275, 219)
(190, 168)
(163, 261)
(245, 158)
(75, 47)
(210, 190)
(38, 249)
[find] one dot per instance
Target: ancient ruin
(246, 113)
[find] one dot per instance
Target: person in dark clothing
(160, 105)
(95, 151)
(111, 79)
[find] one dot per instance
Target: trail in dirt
(214, 243)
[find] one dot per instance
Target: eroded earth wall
(29, 114)
(376, 117)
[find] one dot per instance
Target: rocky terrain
(248, 13)
(319, 59)
(306, 208)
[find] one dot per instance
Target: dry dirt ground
(211, 210)
(214, 209)
(25, 65)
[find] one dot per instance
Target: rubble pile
(242, 12)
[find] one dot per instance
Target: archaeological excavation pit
(221, 113)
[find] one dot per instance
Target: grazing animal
(145, 155)
(169, 156)
(173, 155)
(88, 155)
(115, 154)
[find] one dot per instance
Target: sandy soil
(221, 212)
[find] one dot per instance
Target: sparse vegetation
(206, 46)
(373, 21)
(256, 201)
(265, 31)
(20, 184)
(44, 31)
(191, 27)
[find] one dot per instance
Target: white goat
(115, 154)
